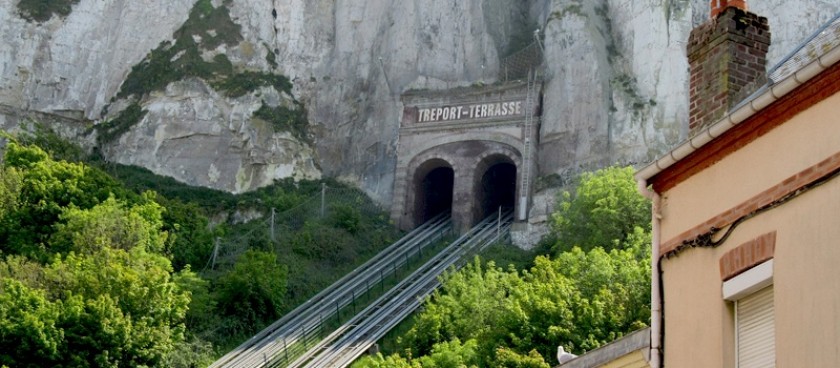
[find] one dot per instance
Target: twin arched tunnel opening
(436, 192)
(497, 189)
(494, 187)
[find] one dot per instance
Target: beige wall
(635, 359)
(698, 322)
(809, 138)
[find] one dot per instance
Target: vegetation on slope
(94, 272)
(587, 293)
(43, 10)
(205, 30)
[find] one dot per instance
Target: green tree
(604, 210)
(28, 325)
(511, 359)
(83, 281)
(594, 290)
(110, 224)
(451, 354)
(122, 307)
(473, 303)
(254, 291)
(46, 188)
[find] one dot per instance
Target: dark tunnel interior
(436, 193)
(498, 186)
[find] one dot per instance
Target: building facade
(746, 249)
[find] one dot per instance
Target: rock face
(615, 87)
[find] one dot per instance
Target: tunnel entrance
(497, 188)
(434, 193)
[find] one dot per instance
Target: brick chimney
(725, 54)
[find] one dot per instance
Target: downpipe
(655, 279)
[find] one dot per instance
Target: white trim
(765, 97)
(748, 282)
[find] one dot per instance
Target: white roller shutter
(756, 332)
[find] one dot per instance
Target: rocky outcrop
(615, 77)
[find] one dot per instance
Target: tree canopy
(604, 210)
(83, 278)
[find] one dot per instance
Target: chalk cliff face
(615, 77)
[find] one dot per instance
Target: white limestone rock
(615, 89)
(196, 136)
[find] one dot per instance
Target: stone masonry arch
(468, 160)
(479, 136)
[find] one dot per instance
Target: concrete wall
(698, 322)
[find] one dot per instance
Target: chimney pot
(727, 58)
(718, 6)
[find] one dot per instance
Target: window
(755, 337)
(755, 333)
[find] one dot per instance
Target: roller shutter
(756, 337)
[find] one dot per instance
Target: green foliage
(202, 303)
(48, 140)
(511, 359)
(110, 224)
(45, 189)
(43, 10)
(116, 127)
(190, 235)
(281, 195)
(347, 217)
(122, 307)
(191, 353)
(587, 296)
(11, 181)
(110, 308)
(241, 83)
(83, 281)
(212, 26)
(254, 291)
(580, 300)
(443, 355)
(28, 331)
(603, 212)
(87, 245)
(283, 119)
(205, 29)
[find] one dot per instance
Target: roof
(814, 55)
(635, 341)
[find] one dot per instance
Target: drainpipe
(655, 280)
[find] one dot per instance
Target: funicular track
(290, 336)
(355, 337)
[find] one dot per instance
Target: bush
(254, 291)
(603, 212)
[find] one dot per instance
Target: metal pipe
(655, 281)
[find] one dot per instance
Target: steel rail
(275, 339)
(357, 335)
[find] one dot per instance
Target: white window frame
(744, 285)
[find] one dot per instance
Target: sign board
(470, 111)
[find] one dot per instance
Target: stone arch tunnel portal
(497, 187)
(468, 150)
(435, 184)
